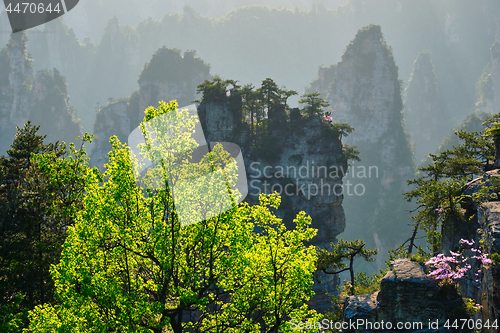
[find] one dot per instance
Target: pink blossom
(465, 241)
(443, 271)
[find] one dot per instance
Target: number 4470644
(470, 324)
(31, 7)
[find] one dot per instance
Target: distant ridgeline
(457, 32)
(364, 91)
(43, 99)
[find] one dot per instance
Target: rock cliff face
(488, 86)
(484, 226)
(489, 215)
(423, 110)
(116, 118)
(364, 91)
(42, 99)
(300, 159)
(56, 46)
(167, 76)
(16, 81)
(406, 296)
(170, 76)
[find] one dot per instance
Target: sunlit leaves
(128, 264)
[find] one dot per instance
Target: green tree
(314, 104)
(341, 251)
(493, 131)
(36, 204)
(129, 265)
(438, 190)
(213, 90)
(269, 92)
(251, 105)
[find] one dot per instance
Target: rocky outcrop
(406, 296)
(489, 215)
(113, 119)
(423, 110)
(170, 76)
(483, 226)
(364, 91)
(488, 86)
(301, 159)
(16, 82)
(51, 109)
(472, 123)
(166, 77)
(42, 99)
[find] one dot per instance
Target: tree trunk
(496, 140)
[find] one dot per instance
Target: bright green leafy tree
(128, 265)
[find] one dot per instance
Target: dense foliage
(128, 265)
(40, 188)
(439, 188)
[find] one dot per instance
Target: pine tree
(38, 190)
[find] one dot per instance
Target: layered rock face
(114, 119)
(423, 110)
(300, 159)
(364, 91)
(170, 76)
(16, 81)
(406, 296)
(43, 99)
(488, 86)
(489, 215)
(483, 227)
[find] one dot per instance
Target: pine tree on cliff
(273, 98)
(423, 110)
